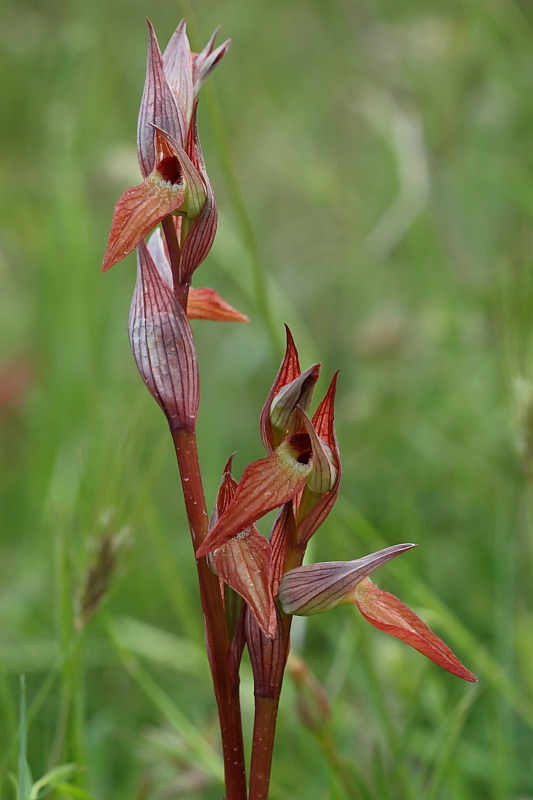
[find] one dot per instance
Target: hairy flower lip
(265, 484)
(170, 170)
(193, 180)
(297, 447)
(137, 212)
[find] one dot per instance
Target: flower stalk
(225, 683)
(250, 585)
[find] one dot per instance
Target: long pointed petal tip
(386, 612)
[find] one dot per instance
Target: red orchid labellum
(386, 612)
(140, 208)
(265, 484)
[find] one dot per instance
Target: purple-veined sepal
(316, 588)
(200, 231)
(288, 372)
(159, 106)
(177, 64)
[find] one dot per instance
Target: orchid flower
(176, 183)
(301, 475)
(303, 464)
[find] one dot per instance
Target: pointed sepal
(162, 345)
(200, 233)
(288, 372)
(177, 63)
(389, 614)
(243, 564)
(324, 471)
(298, 392)
(205, 62)
(316, 588)
(282, 540)
(159, 107)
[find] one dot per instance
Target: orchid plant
(250, 586)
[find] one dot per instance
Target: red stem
(266, 713)
(226, 688)
(267, 694)
(225, 681)
(181, 291)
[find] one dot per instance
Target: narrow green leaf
(200, 748)
(68, 791)
(22, 779)
(51, 780)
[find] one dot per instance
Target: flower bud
(315, 588)
(162, 345)
(267, 655)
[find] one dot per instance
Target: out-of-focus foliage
(373, 167)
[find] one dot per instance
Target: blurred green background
(373, 168)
